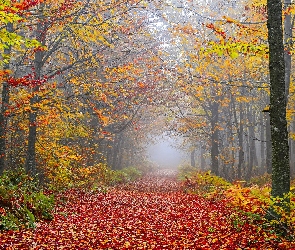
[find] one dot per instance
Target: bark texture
(278, 122)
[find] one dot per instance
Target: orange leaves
(147, 214)
(25, 4)
(100, 113)
(229, 20)
(4, 74)
(103, 97)
(104, 119)
(141, 85)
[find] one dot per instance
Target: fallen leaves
(152, 213)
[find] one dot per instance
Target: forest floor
(151, 213)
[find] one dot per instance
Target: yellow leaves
(188, 65)
(229, 20)
(234, 48)
(243, 99)
(6, 17)
(126, 244)
(198, 91)
(104, 41)
(266, 109)
(243, 198)
(183, 129)
(104, 119)
(292, 136)
(74, 81)
(258, 3)
(234, 54)
(10, 39)
(290, 10)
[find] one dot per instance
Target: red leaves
(20, 7)
(150, 214)
(27, 80)
(25, 4)
(216, 29)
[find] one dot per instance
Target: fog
(165, 154)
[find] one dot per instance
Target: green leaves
(22, 202)
(8, 38)
(234, 49)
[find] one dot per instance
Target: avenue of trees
(85, 82)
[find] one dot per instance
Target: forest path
(151, 213)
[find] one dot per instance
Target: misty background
(166, 153)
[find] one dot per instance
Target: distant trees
(229, 55)
(79, 79)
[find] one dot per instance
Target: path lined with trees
(87, 85)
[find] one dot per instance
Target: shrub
(253, 202)
(186, 170)
(123, 176)
(78, 177)
(205, 184)
(22, 201)
(132, 173)
(261, 180)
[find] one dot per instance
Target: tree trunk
(240, 132)
(121, 151)
(268, 145)
(5, 103)
(262, 143)
(115, 153)
(193, 161)
(32, 137)
(278, 122)
(252, 149)
(214, 138)
(292, 152)
(109, 155)
(203, 162)
(241, 150)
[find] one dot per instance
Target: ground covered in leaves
(151, 213)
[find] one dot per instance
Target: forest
(88, 85)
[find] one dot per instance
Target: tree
(11, 13)
(5, 101)
(98, 89)
(278, 101)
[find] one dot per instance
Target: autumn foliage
(84, 86)
(151, 213)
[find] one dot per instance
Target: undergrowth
(251, 201)
(22, 201)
